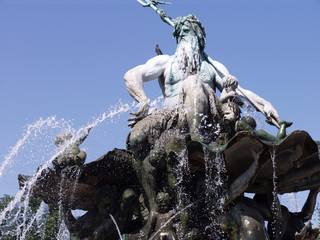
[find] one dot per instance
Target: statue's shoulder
(160, 60)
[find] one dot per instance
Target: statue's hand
(271, 113)
(140, 114)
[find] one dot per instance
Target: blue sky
(67, 58)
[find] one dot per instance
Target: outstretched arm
(135, 78)
(81, 138)
(261, 105)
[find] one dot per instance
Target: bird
(158, 50)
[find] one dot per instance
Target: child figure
(230, 110)
(71, 154)
(164, 229)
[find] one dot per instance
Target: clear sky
(67, 58)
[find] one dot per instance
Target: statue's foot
(287, 124)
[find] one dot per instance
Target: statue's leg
(309, 206)
(195, 101)
(129, 203)
(145, 172)
(80, 158)
(275, 225)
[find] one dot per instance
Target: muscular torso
(173, 79)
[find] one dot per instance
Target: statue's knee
(80, 158)
(138, 143)
(158, 158)
(129, 197)
(137, 138)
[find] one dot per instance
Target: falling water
(274, 173)
(32, 131)
(275, 207)
(215, 197)
(36, 219)
(293, 201)
(63, 233)
(181, 171)
(182, 174)
(115, 223)
(75, 175)
(18, 210)
(215, 182)
(17, 213)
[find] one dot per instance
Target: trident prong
(147, 3)
(143, 3)
(153, 4)
(159, 2)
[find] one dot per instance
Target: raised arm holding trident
(190, 36)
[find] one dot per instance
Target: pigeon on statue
(158, 50)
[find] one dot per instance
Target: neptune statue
(188, 167)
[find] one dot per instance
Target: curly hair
(234, 107)
(194, 24)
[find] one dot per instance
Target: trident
(153, 4)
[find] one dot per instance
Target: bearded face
(188, 51)
(188, 55)
(184, 25)
(190, 36)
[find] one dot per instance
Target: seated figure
(164, 229)
(70, 153)
(248, 123)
